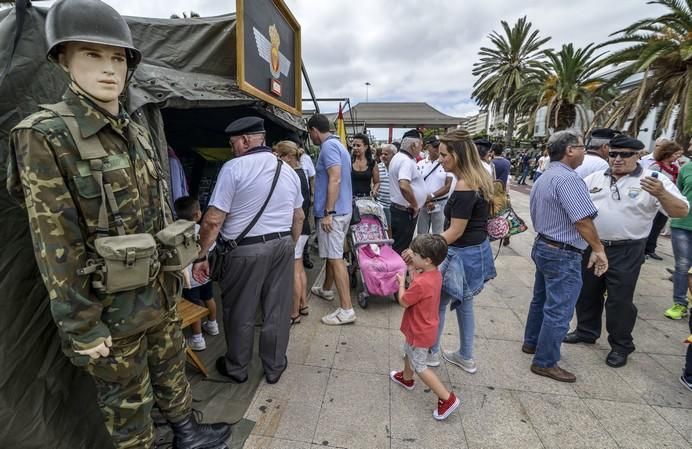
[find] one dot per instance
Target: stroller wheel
(362, 300)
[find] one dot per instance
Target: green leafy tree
(503, 69)
(660, 53)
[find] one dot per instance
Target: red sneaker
(398, 377)
(445, 408)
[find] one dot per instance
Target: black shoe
(573, 338)
(188, 434)
(654, 256)
(616, 359)
(526, 349)
(221, 368)
(274, 378)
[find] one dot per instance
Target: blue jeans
(555, 293)
(682, 251)
(464, 273)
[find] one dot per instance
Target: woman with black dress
(365, 177)
(290, 153)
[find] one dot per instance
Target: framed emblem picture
(268, 53)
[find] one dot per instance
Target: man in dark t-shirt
(502, 165)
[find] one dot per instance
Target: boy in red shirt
(421, 318)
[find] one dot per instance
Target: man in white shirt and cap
(596, 157)
(437, 184)
(627, 198)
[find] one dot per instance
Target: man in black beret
(245, 126)
(627, 198)
(597, 147)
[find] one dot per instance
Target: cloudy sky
(414, 50)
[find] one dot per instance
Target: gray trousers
(257, 275)
(436, 219)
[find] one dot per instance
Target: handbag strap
(252, 224)
(425, 178)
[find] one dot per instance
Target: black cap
(432, 140)
(604, 133)
(624, 141)
(245, 125)
(414, 133)
(483, 143)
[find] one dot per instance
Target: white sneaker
(467, 365)
(211, 327)
(322, 293)
(433, 359)
(339, 317)
(197, 344)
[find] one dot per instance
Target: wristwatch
(331, 212)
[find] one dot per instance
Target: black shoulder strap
(249, 227)
(425, 178)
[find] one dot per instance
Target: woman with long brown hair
(469, 263)
(290, 153)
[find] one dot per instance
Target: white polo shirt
(591, 164)
(626, 212)
(402, 166)
(242, 187)
(433, 174)
(307, 165)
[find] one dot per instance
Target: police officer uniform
(625, 213)
(49, 176)
(435, 178)
(259, 271)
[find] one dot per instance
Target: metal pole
(367, 86)
(307, 81)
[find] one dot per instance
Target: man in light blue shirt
(333, 195)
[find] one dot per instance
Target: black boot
(188, 434)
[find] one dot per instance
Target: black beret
(604, 133)
(623, 141)
(483, 143)
(413, 133)
(432, 140)
(245, 125)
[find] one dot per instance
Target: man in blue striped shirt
(562, 213)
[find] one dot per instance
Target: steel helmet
(88, 21)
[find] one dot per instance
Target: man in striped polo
(562, 213)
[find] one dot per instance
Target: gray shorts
(331, 244)
(417, 357)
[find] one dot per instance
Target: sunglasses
(622, 154)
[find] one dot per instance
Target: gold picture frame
(255, 91)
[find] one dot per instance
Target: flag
(340, 129)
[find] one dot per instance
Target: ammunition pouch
(179, 245)
(125, 262)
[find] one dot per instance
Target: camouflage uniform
(62, 199)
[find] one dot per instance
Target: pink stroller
(372, 255)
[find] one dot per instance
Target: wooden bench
(189, 313)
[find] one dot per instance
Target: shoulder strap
(249, 227)
(425, 178)
(91, 149)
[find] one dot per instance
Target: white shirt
(489, 168)
(403, 167)
(243, 186)
(647, 160)
(630, 217)
(543, 164)
(307, 165)
(436, 175)
(591, 164)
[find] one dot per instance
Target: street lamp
(367, 86)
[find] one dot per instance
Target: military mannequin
(129, 340)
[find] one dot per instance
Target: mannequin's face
(99, 70)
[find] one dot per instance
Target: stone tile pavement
(336, 391)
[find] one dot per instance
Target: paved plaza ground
(336, 391)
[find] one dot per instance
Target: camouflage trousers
(140, 369)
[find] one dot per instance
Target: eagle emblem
(268, 49)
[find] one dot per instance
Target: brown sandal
(305, 310)
(295, 320)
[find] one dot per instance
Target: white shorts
(331, 244)
(417, 357)
(300, 246)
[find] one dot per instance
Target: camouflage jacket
(47, 176)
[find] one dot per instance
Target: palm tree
(569, 87)
(503, 69)
(661, 54)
